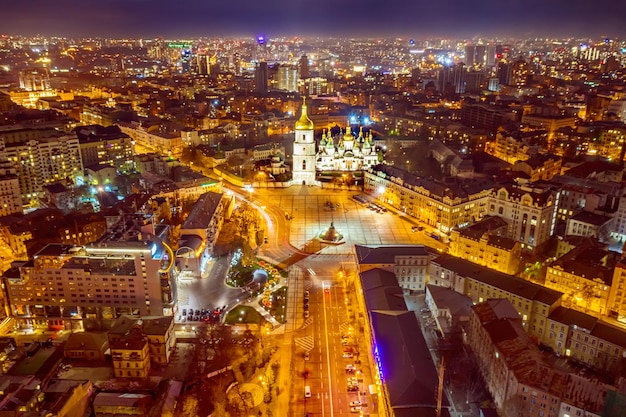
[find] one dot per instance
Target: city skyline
(295, 18)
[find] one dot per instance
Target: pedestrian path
(305, 343)
(307, 323)
(343, 327)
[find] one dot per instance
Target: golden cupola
(304, 123)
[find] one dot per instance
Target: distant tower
(304, 150)
(304, 66)
(261, 78)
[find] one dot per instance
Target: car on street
(355, 409)
(306, 314)
(424, 310)
(306, 356)
(347, 355)
(355, 403)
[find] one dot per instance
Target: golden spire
(304, 123)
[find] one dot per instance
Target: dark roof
(203, 211)
(381, 291)
(538, 160)
(505, 282)
(99, 167)
(609, 333)
(156, 325)
(573, 318)
(591, 218)
(587, 169)
(407, 366)
(478, 229)
(501, 242)
(385, 254)
(87, 341)
(55, 188)
(189, 241)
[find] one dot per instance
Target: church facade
(347, 152)
(342, 152)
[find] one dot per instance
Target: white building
(350, 153)
(530, 211)
(304, 150)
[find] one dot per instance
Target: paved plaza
(312, 210)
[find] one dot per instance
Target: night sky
(415, 18)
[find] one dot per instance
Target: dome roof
(304, 123)
(348, 136)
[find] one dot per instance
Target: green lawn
(244, 314)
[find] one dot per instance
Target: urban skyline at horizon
(139, 18)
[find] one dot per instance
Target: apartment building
(90, 286)
(485, 243)
(511, 363)
(530, 211)
(440, 205)
(409, 263)
(585, 276)
(533, 302)
(42, 161)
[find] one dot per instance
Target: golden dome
(304, 123)
(348, 136)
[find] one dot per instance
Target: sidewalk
(282, 401)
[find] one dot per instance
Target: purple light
(260, 40)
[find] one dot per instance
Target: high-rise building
(304, 67)
(504, 73)
(43, 161)
(475, 55)
(491, 55)
(105, 146)
(470, 51)
(451, 80)
(287, 78)
(202, 64)
(261, 78)
(304, 150)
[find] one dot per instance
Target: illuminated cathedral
(347, 152)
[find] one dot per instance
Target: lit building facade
(530, 210)
(533, 302)
(75, 287)
(131, 356)
(155, 138)
(485, 243)
(441, 206)
(584, 275)
(116, 150)
(44, 161)
(350, 153)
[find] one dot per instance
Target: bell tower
(304, 150)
